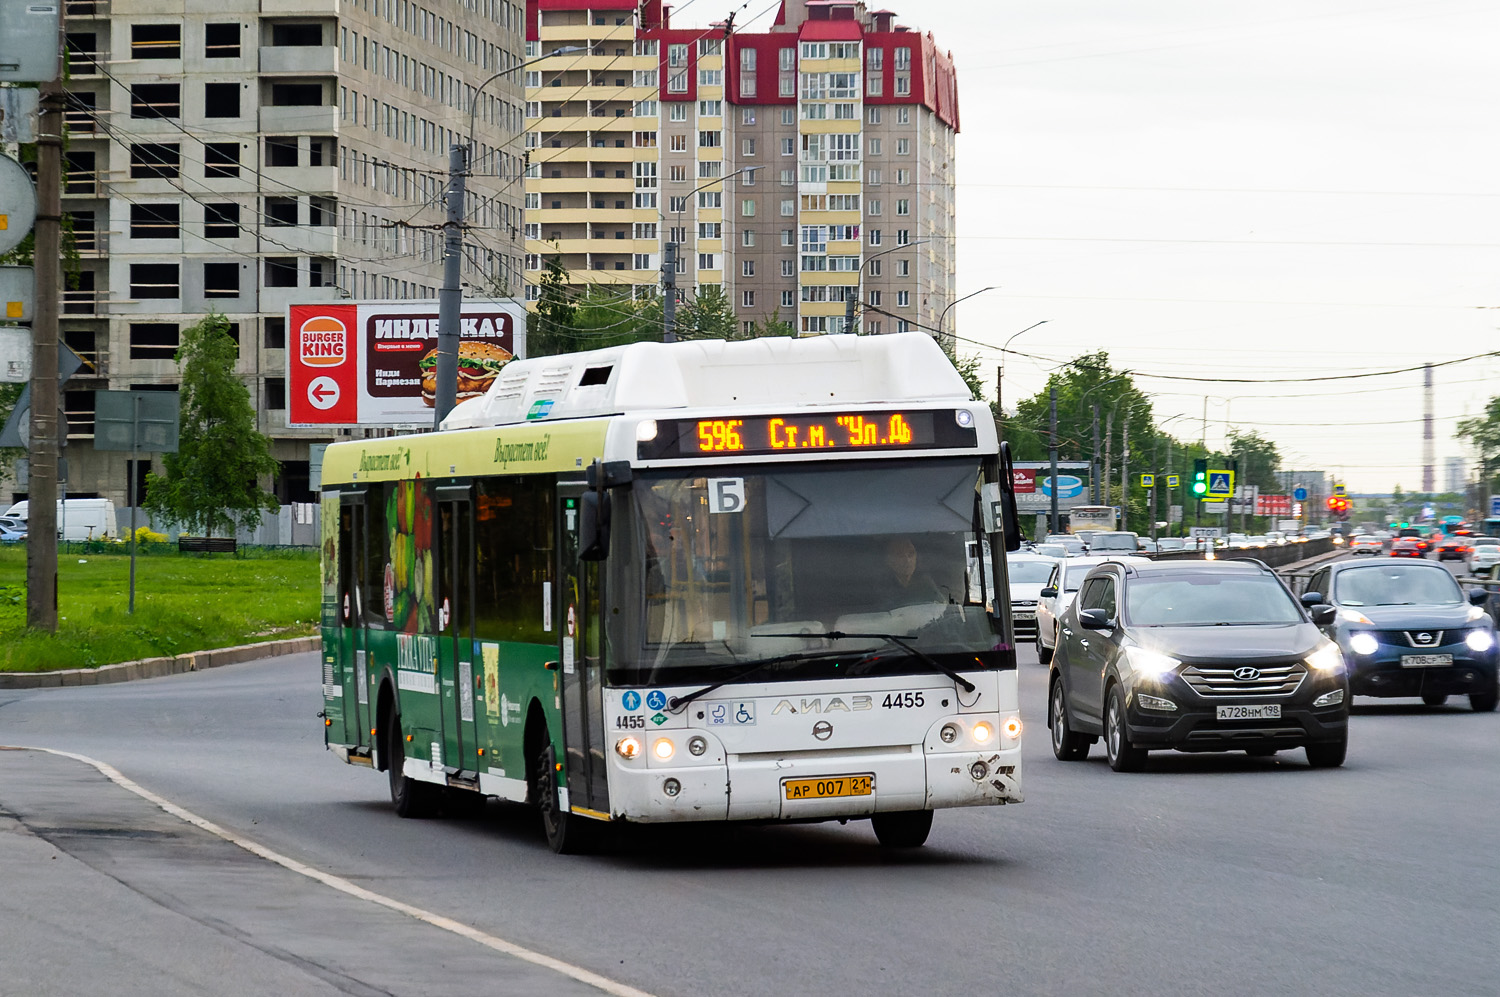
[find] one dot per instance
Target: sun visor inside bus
(931, 499)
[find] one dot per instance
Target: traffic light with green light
(1200, 476)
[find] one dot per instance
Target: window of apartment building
(155, 280)
(710, 46)
(677, 174)
(645, 140)
(875, 267)
(281, 211)
(874, 146)
(275, 393)
(677, 55)
(747, 268)
(677, 112)
(710, 199)
(903, 147)
(708, 261)
(747, 208)
(710, 168)
(82, 51)
(710, 230)
(903, 268)
(903, 206)
(710, 108)
(642, 78)
(155, 100)
(274, 335)
(156, 41)
(747, 299)
(747, 237)
(677, 82)
(677, 143)
(153, 340)
(321, 211)
(710, 139)
(788, 298)
(748, 78)
(903, 84)
(644, 230)
(307, 35)
(788, 208)
(677, 204)
(221, 100)
(155, 160)
(788, 237)
(874, 236)
(747, 147)
(874, 298)
(903, 58)
(155, 221)
(874, 206)
(78, 111)
(788, 269)
(281, 150)
(221, 159)
(221, 280)
(296, 94)
(813, 324)
(641, 261)
(281, 271)
(644, 109)
(221, 41)
(85, 232)
(903, 299)
(903, 115)
(710, 77)
(322, 272)
(873, 177)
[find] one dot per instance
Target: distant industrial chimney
(1429, 459)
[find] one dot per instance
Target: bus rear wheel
(409, 797)
(902, 829)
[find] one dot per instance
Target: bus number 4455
(903, 701)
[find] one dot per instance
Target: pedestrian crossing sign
(1173, 480)
(1148, 481)
(1220, 484)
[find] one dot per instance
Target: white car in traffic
(1484, 555)
(1060, 591)
(1027, 573)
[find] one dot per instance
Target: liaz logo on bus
(539, 409)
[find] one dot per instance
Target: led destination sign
(805, 434)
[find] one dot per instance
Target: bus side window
(376, 556)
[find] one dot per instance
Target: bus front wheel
(565, 833)
(410, 797)
(903, 829)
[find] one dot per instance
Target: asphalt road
(1205, 874)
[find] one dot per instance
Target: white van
(79, 519)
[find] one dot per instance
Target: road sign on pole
(17, 204)
(17, 294)
(1300, 494)
(1220, 483)
(1173, 480)
(1148, 481)
(1494, 505)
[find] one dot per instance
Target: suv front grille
(1218, 681)
(1411, 638)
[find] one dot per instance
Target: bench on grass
(205, 545)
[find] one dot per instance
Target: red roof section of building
(831, 30)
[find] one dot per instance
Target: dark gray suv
(1195, 656)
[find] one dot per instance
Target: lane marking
(578, 973)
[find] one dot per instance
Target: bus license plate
(828, 787)
(1426, 660)
(1268, 711)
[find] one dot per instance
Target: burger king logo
(322, 342)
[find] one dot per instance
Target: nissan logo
(1246, 674)
(1423, 638)
(822, 730)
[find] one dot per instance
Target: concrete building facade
(794, 167)
(240, 156)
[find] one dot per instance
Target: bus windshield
(711, 573)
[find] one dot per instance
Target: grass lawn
(182, 603)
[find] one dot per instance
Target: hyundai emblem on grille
(1247, 674)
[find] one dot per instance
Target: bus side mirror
(593, 526)
(1010, 518)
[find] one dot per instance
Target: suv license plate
(1426, 660)
(1269, 711)
(828, 786)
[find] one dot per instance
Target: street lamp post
(1000, 373)
(850, 300)
(669, 259)
(450, 298)
(943, 315)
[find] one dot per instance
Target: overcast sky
(1295, 188)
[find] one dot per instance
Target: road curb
(150, 668)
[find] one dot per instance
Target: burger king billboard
(374, 363)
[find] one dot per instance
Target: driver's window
(1099, 593)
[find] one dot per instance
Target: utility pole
(669, 290)
(1108, 476)
(999, 407)
(1094, 462)
(41, 549)
(1125, 473)
(451, 297)
(1052, 454)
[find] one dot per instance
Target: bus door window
(453, 619)
(582, 662)
(354, 674)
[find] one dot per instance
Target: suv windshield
(1396, 585)
(1113, 541)
(1204, 599)
(1030, 572)
(799, 552)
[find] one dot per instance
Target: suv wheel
(1123, 756)
(1043, 652)
(1066, 745)
(1484, 702)
(1329, 754)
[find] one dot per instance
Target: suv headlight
(1480, 640)
(1363, 643)
(1152, 664)
(1327, 658)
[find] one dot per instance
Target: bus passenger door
(582, 664)
(351, 618)
(455, 620)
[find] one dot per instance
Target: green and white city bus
(698, 581)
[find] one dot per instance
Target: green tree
(550, 329)
(1481, 434)
(707, 315)
(212, 481)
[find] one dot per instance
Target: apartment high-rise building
(239, 156)
(795, 167)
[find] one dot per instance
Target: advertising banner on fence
(1273, 505)
(1033, 485)
(374, 363)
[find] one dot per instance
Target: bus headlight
(628, 747)
(982, 732)
(663, 749)
(1012, 727)
(645, 431)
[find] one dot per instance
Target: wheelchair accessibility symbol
(744, 713)
(656, 699)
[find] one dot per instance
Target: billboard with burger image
(374, 363)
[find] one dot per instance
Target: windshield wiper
(900, 642)
(676, 703)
